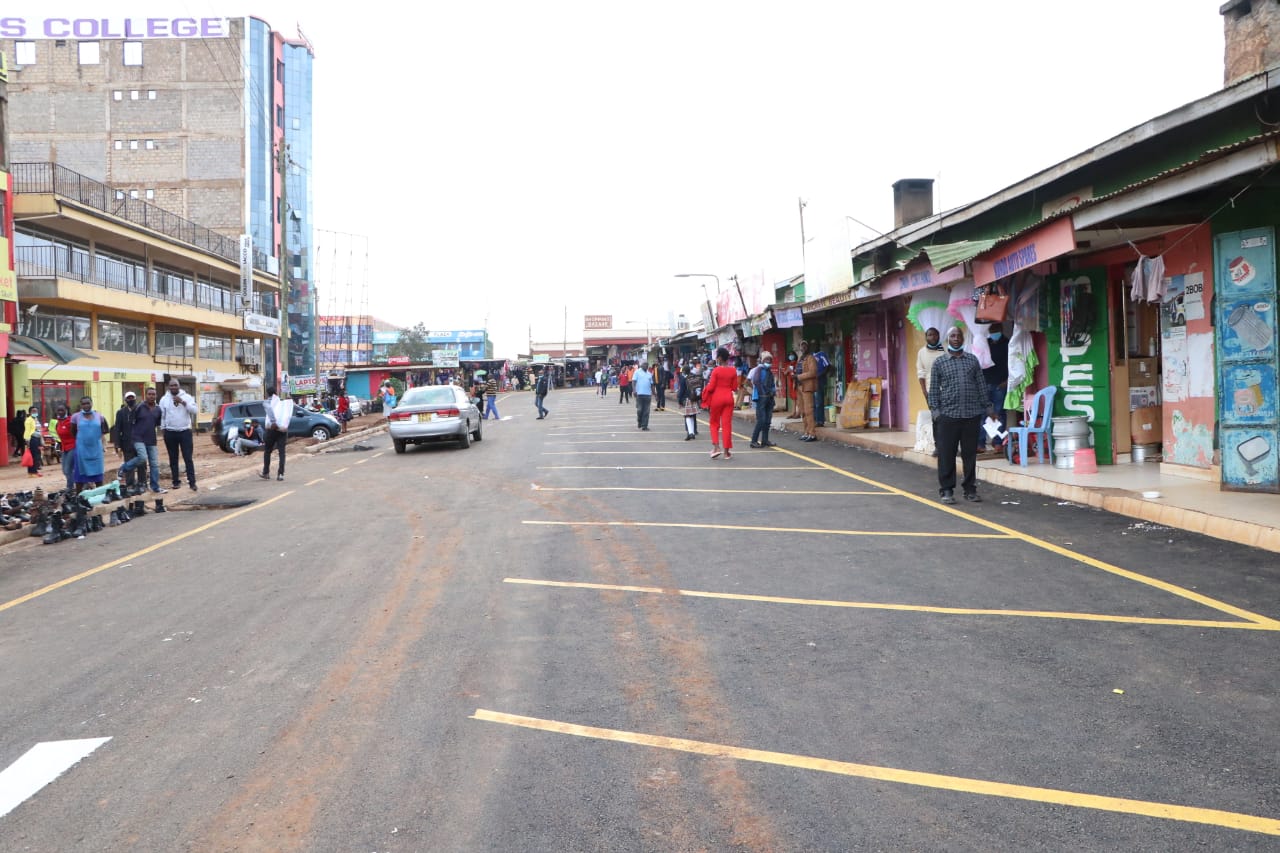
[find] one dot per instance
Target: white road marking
(39, 766)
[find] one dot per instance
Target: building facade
(206, 119)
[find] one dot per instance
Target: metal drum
(1144, 453)
(1069, 435)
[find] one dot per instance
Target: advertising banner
(1079, 362)
(1245, 309)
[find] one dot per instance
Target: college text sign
(113, 28)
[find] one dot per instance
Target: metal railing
(55, 262)
(59, 180)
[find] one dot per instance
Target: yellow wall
(915, 399)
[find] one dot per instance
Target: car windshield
(428, 396)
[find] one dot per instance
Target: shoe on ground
(973, 497)
(948, 498)
(755, 445)
(160, 490)
(176, 485)
(646, 429)
(194, 488)
(264, 476)
(768, 444)
(280, 477)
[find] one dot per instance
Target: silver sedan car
(434, 413)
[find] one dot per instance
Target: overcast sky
(510, 161)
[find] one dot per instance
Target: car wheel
(477, 435)
(321, 433)
(464, 440)
(399, 444)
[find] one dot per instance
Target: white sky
(509, 160)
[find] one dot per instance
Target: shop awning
(26, 346)
(946, 255)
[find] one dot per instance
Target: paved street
(578, 636)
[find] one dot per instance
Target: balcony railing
(53, 179)
(55, 262)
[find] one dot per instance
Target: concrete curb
(11, 537)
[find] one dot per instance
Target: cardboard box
(1144, 425)
(1143, 371)
(1143, 396)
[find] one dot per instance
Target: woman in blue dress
(90, 431)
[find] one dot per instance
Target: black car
(318, 425)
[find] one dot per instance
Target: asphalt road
(578, 636)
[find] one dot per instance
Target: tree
(412, 343)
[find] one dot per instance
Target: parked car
(434, 413)
(304, 424)
(358, 406)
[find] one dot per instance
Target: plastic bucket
(1086, 462)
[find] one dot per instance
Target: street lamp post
(710, 310)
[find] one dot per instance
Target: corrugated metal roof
(944, 255)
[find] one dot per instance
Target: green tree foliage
(412, 343)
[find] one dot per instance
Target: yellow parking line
(362, 461)
(743, 527)
(313, 482)
(677, 468)
(340, 470)
(139, 553)
(622, 452)
(907, 608)
(1173, 589)
(376, 455)
(701, 491)
(959, 784)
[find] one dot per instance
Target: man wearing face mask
(925, 358)
(958, 400)
(997, 376)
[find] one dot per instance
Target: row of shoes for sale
(55, 516)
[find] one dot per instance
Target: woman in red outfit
(718, 396)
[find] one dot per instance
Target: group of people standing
(137, 427)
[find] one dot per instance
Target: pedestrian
(997, 378)
(17, 431)
(176, 411)
(388, 398)
(958, 400)
(344, 409)
(90, 430)
(491, 399)
(643, 384)
(66, 446)
(820, 388)
(624, 385)
(249, 439)
(718, 396)
(807, 379)
(661, 380)
(764, 391)
(276, 435)
(146, 422)
(687, 400)
(540, 389)
(925, 358)
(31, 434)
(122, 438)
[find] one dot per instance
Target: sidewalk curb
(1119, 501)
(11, 537)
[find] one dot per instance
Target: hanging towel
(1154, 275)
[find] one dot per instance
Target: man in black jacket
(122, 437)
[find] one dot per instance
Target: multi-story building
(208, 119)
(344, 340)
(124, 295)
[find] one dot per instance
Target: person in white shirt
(276, 434)
(177, 408)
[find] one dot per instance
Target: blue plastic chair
(1038, 423)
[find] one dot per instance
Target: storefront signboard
(445, 358)
(1050, 241)
(1079, 364)
(916, 278)
(1245, 308)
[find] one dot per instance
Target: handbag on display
(993, 304)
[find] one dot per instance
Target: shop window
(122, 336)
(175, 343)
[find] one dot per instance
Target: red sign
(398, 359)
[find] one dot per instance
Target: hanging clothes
(1154, 275)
